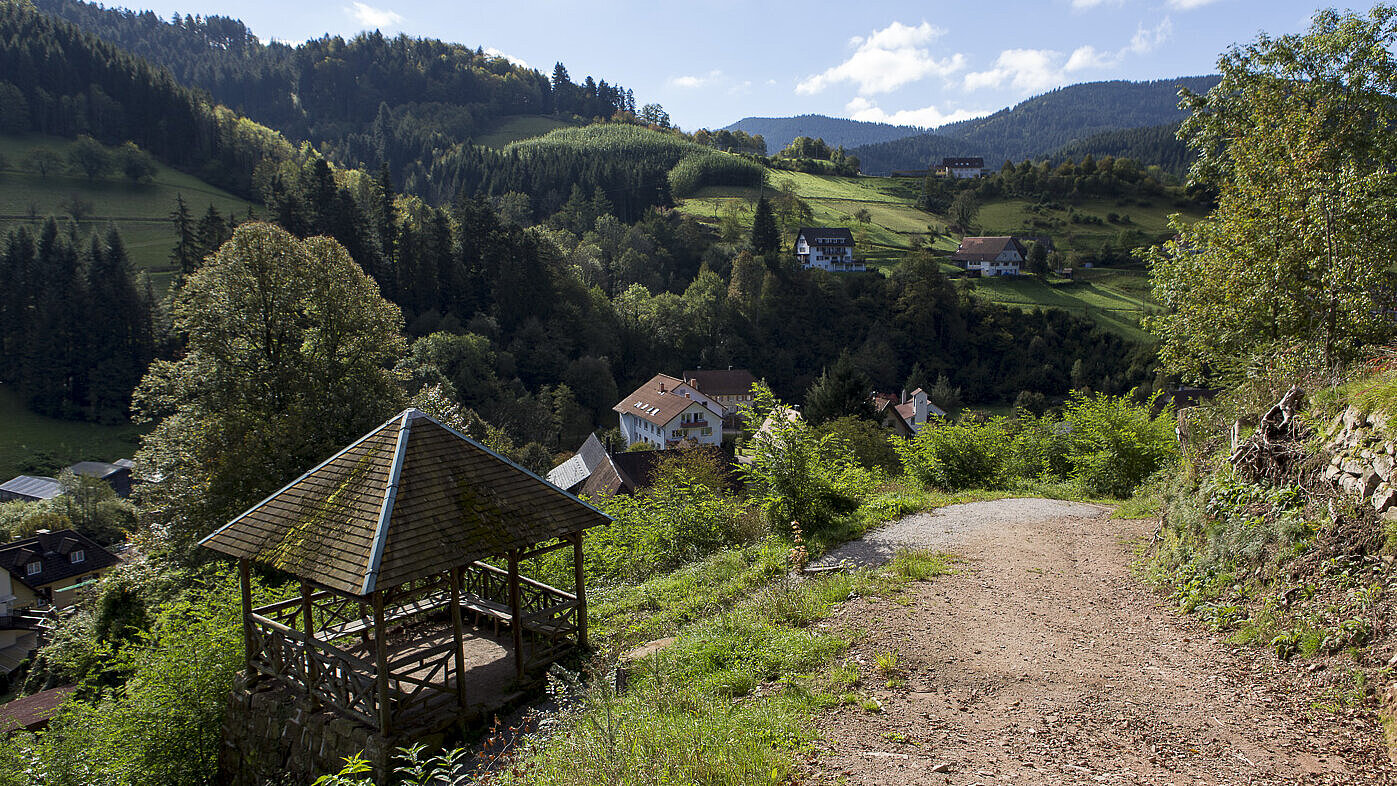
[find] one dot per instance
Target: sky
(712, 63)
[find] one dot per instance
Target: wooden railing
(419, 681)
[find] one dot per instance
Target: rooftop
(660, 400)
(54, 551)
(409, 499)
(721, 382)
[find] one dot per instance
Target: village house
(43, 571)
(666, 411)
(905, 416)
(732, 389)
(961, 168)
(991, 256)
(30, 488)
(827, 248)
(596, 472)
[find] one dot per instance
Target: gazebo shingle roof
(409, 499)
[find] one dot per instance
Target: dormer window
(76, 556)
(34, 568)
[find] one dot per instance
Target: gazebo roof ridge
(411, 497)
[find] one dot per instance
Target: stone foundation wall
(273, 737)
(1364, 460)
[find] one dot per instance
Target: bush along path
(1044, 660)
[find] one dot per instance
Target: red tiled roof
(656, 401)
(33, 712)
(985, 249)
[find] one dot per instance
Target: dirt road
(1044, 661)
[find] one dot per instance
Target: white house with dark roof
(991, 256)
(827, 248)
(666, 411)
(961, 168)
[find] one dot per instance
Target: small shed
(397, 540)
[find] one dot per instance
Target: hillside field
(141, 211)
(1114, 297)
(32, 437)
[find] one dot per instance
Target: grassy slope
(517, 127)
(140, 210)
(27, 435)
(1116, 298)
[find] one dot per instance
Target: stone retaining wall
(1364, 460)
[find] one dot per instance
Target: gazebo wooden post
(458, 632)
(385, 702)
(516, 613)
(580, 588)
(308, 624)
(245, 575)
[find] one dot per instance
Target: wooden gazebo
(398, 540)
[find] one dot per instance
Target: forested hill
(779, 131)
(1153, 145)
(366, 101)
(1039, 126)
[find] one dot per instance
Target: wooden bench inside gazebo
(407, 545)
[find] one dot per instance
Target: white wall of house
(963, 173)
(696, 422)
(826, 256)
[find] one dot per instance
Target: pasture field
(141, 211)
(1115, 298)
(26, 437)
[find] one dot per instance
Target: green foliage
(712, 168)
(164, 725)
(869, 443)
(288, 346)
(766, 237)
(794, 474)
(960, 455)
(1295, 138)
(1114, 444)
(842, 391)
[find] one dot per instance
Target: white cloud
(1035, 70)
(1147, 40)
(1094, 3)
(1025, 70)
(927, 117)
(1188, 5)
(368, 16)
(1084, 57)
(690, 81)
(493, 52)
(886, 60)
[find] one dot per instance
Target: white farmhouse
(665, 412)
(827, 248)
(961, 168)
(991, 256)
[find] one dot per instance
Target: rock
(1350, 485)
(1383, 465)
(1352, 418)
(944, 766)
(1333, 473)
(1354, 467)
(1384, 498)
(1370, 483)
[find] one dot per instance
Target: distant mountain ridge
(1039, 126)
(779, 131)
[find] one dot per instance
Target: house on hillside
(905, 416)
(666, 411)
(730, 389)
(827, 248)
(961, 168)
(37, 573)
(594, 471)
(991, 256)
(30, 488)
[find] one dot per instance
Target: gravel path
(1043, 660)
(948, 527)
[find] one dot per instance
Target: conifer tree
(766, 238)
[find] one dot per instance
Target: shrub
(961, 455)
(1114, 443)
(1038, 450)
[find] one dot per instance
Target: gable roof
(53, 550)
(986, 249)
(33, 712)
(837, 235)
(30, 487)
(97, 469)
(729, 382)
(570, 474)
(963, 163)
(660, 400)
(409, 499)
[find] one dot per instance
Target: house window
(34, 567)
(76, 556)
(708, 432)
